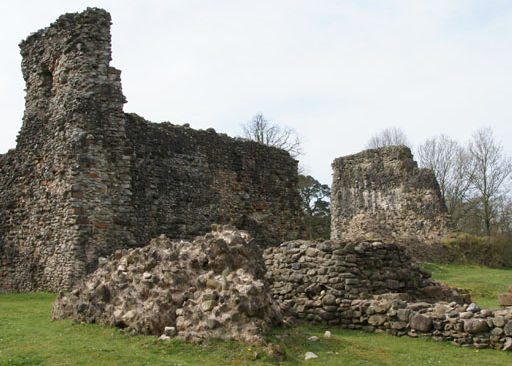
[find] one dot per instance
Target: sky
(335, 71)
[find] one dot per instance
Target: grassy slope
(28, 337)
(484, 283)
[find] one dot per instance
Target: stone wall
(184, 180)
(86, 179)
(461, 324)
(381, 194)
(316, 281)
(375, 287)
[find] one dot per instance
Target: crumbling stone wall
(184, 180)
(461, 324)
(56, 214)
(317, 281)
(381, 194)
(374, 286)
(86, 179)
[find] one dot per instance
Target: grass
(484, 283)
(29, 337)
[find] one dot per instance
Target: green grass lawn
(29, 337)
(484, 283)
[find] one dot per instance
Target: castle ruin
(381, 194)
(86, 178)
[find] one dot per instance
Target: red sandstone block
(505, 299)
(82, 221)
(100, 225)
(76, 194)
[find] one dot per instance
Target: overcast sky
(335, 71)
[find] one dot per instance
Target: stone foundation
(463, 325)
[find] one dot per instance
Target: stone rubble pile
(316, 280)
(212, 287)
(465, 325)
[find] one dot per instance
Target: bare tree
(491, 171)
(451, 165)
(261, 130)
(387, 137)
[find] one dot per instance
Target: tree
(261, 130)
(388, 137)
(315, 206)
(491, 169)
(452, 167)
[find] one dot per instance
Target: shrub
(464, 248)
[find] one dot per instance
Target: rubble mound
(212, 287)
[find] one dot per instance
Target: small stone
(207, 305)
(327, 334)
(399, 325)
(313, 339)
(378, 319)
(403, 314)
(329, 299)
(508, 328)
(170, 331)
(497, 332)
(421, 322)
(466, 315)
(382, 306)
(310, 356)
(475, 326)
(275, 352)
(499, 321)
(164, 337)
(507, 346)
(473, 308)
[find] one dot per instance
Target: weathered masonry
(381, 194)
(86, 179)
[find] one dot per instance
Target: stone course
(375, 287)
(380, 194)
(316, 281)
(461, 324)
(87, 179)
(212, 287)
